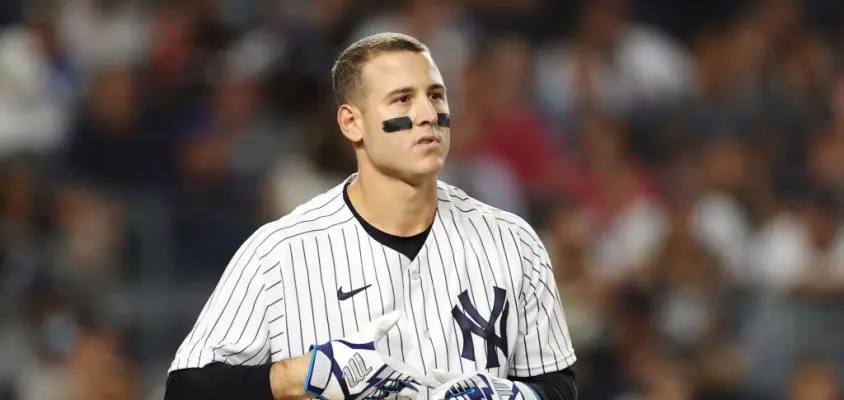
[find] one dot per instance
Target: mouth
(428, 140)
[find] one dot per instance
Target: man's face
(404, 84)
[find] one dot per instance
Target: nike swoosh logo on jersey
(341, 295)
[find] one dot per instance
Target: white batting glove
(351, 367)
(479, 386)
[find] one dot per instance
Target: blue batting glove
(479, 386)
(352, 368)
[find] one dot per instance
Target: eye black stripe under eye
(444, 120)
(405, 123)
(397, 124)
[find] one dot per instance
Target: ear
(350, 121)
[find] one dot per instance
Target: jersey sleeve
(544, 344)
(231, 328)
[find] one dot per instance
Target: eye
(437, 96)
(403, 99)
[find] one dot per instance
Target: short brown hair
(347, 73)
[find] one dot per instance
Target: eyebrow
(409, 89)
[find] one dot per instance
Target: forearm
(277, 381)
(558, 385)
(287, 378)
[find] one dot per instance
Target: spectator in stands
(37, 83)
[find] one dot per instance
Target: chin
(427, 170)
(432, 166)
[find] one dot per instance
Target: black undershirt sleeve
(218, 381)
(558, 385)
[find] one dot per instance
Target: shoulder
(323, 212)
(464, 209)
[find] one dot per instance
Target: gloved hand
(352, 368)
(479, 386)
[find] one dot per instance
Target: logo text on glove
(355, 371)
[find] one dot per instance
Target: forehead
(392, 70)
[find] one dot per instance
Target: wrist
(287, 378)
(527, 390)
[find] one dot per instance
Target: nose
(426, 113)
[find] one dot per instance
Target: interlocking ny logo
(475, 324)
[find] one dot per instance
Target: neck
(394, 206)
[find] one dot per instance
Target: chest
(459, 296)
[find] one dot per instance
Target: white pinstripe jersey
(480, 294)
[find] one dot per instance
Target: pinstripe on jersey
(279, 293)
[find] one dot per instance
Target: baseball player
(391, 284)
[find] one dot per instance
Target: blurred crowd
(682, 161)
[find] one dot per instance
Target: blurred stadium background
(683, 161)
